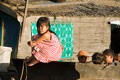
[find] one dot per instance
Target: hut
(92, 29)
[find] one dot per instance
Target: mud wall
(95, 72)
(90, 33)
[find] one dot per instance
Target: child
(117, 57)
(109, 56)
(82, 57)
(97, 58)
(45, 45)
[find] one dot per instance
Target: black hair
(109, 52)
(97, 58)
(44, 20)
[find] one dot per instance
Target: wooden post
(24, 20)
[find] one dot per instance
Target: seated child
(117, 57)
(82, 57)
(45, 45)
(109, 56)
(97, 58)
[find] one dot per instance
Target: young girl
(45, 45)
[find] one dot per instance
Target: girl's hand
(28, 43)
(32, 43)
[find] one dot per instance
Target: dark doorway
(115, 38)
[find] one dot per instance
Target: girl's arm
(39, 39)
(31, 43)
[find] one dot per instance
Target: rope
(26, 71)
(24, 67)
(22, 71)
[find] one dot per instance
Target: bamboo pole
(24, 20)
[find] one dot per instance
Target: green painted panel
(64, 32)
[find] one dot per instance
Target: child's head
(109, 55)
(82, 59)
(43, 25)
(97, 58)
(118, 56)
(82, 56)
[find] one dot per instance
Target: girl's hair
(97, 58)
(45, 20)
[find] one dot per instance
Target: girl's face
(43, 28)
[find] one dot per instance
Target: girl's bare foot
(33, 62)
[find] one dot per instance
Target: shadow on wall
(50, 71)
